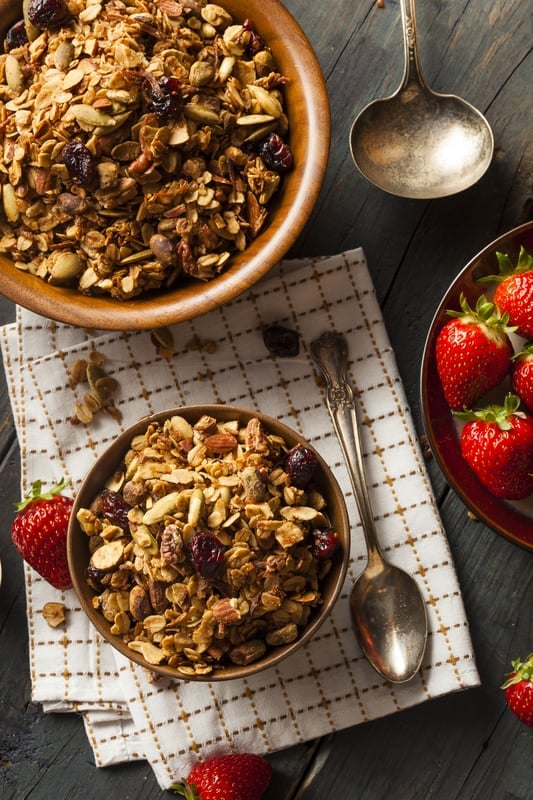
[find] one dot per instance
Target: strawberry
(473, 352)
(514, 293)
(497, 443)
(519, 690)
(522, 376)
(39, 532)
(234, 776)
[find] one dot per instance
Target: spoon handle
(330, 352)
(412, 70)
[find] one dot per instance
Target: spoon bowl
(418, 143)
(389, 619)
(388, 610)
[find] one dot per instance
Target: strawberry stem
(186, 790)
(522, 671)
(36, 493)
(500, 414)
(507, 268)
(485, 313)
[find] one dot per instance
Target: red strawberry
(514, 293)
(519, 690)
(39, 532)
(234, 776)
(473, 352)
(497, 443)
(522, 376)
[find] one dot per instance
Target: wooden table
(465, 745)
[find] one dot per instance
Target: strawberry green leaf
(522, 671)
(500, 414)
(485, 312)
(185, 789)
(527, 350)
(36, 493)
(524, 263)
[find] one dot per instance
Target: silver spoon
(388, 609)
(418, 143)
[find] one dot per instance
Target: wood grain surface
(465, 746)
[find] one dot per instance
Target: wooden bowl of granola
(208, 542)
(151, 191)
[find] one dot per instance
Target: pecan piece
(139, 605)
(158, 600)
(248, 652)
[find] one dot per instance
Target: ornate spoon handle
(330, 352)
(412, 69)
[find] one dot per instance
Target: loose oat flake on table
(140, 142)
(204, 551)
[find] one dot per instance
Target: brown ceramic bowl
(78, 549)
(514, 520)
(307, 106)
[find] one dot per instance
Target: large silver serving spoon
(418, 143)
(388, 609)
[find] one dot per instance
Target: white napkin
(327, 686)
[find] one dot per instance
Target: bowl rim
(307, 94)
(77, 541)
(499, 515)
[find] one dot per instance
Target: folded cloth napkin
(221, 357)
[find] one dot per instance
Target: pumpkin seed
(89, 115)
(63, 56)
(266, 100)
(161, 508)
(63, 267)
(14, 75)
(254, 119)
(200, 113)
(9, 202)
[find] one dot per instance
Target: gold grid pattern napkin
(328, 685)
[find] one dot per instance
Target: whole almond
(220, 443)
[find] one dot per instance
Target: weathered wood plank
(464, 746)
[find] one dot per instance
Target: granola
(134, 144)
(101, 386)
(202, 551)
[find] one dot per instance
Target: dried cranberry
(164, 97)
(16, 35)
(324, 543)
(281, 341)
(206, 554)
(255, 42)
(276, 153)
(114, 508)
(95, 577)
(80, 163)
(45, 14)
(300, 465)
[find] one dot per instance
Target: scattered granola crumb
(54, 614)
(426, 447)
(101, 389)
(163, 340)
(201, 345)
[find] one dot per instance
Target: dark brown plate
(512, 520)
(307, 105)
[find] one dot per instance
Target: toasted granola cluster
(202, 550)
(141, 142)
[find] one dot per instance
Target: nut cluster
(101, 388)
(134, 144)
(201, 547)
